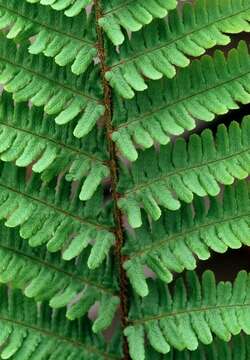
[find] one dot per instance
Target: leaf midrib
(189, 311)
(19, 14)
(168, 43)
(62, 338)
(184, 233)
(183, 170)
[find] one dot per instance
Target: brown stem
(113, 165)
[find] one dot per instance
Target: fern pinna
(116, 184)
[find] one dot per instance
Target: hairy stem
(113, 165)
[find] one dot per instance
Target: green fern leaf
(182, 169)
(108, 306)
(165, 45)
(136, 276)
(191, 314)
(63, 95)
(178, 239)
(109, 201)
(56, 37)
(71, 8)
(238, 348)
(135, 335)
(46, 277)
(49, 149)
(27, 332)
(131, 15)
(46, 216)
(209, 87)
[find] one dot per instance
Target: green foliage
(208, 87)
(45, 215)
(165, 45)
(239, 348)
(38, 79)
(182, 169)
(131, 15)
(71, 8)
(114, 186)
(28, 332)
(191, 313)
(50, 149)
(179, 239)
(47, 277)
(55, 36)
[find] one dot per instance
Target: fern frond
(28, 137)
(39, 80)
(178, 239)
(29, 332)
(46, 277)
(52, 216)
(190, 314)
(207, 88)
(71, 7)
(55, 36)
(165, 45)
(109, 201)
(238, 348)
(182, 169)
(131, 15)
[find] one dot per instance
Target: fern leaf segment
(131, 15)
(29, 138)
(237, 348)
(209, 87)
(202, 26)
(71, 8)
(55, 36)
(179, 239)
(46, 277)
(39, 80)
(46, 216)
(28, 332)
(189, 315)
(183, 169)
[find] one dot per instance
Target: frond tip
(190, 315)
